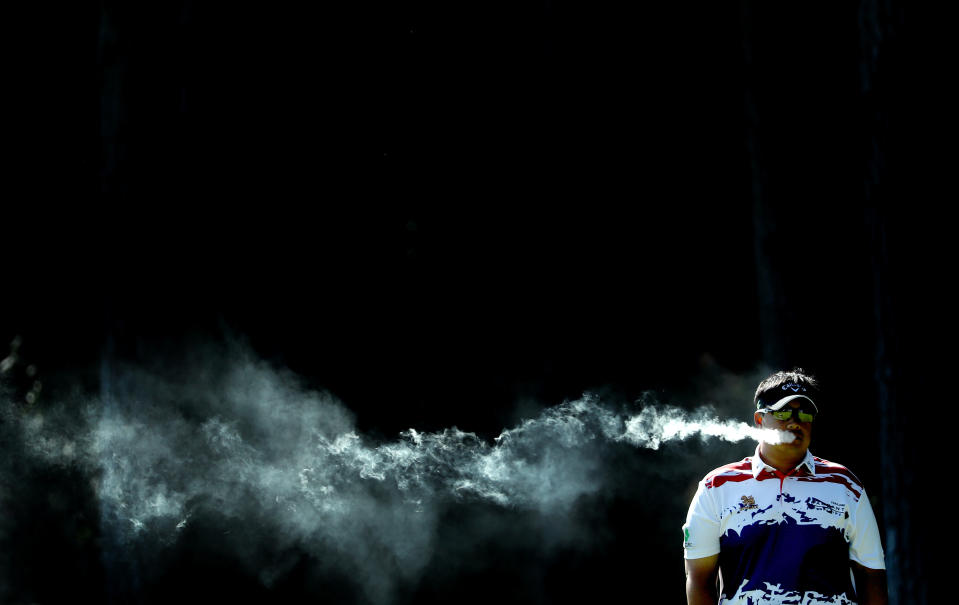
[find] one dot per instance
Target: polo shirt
(783, 537)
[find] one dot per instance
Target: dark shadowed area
(294, 234)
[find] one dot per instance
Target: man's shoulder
(833, 471)
(734, 471)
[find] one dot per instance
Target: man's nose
(793, 421)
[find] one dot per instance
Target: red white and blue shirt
(783, 537)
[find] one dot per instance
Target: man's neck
(782, 461)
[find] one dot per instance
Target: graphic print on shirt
(773, 535)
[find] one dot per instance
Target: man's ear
(758, 417)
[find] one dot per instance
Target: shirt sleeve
(865, 546)
(701, 530)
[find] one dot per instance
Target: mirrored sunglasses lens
(787, 414)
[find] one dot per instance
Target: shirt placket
(782, 480)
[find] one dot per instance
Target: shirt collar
(758, 465)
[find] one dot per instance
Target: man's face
(801, 430)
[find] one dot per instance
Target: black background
(440, 210)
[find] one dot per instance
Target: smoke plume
(229, 441)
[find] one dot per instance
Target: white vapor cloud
(230, 435)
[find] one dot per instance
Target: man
(783, 526)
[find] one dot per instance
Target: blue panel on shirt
(796, 557)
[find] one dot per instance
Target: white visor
(782, 402)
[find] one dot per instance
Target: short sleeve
(701, 530)
(865, 546)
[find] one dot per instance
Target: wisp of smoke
(247, 442)
(655, 425)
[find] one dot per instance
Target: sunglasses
(786, 414)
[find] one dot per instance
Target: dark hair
(775, 381)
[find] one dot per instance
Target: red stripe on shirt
(824, 466)
(819, 478)
(737, 471)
